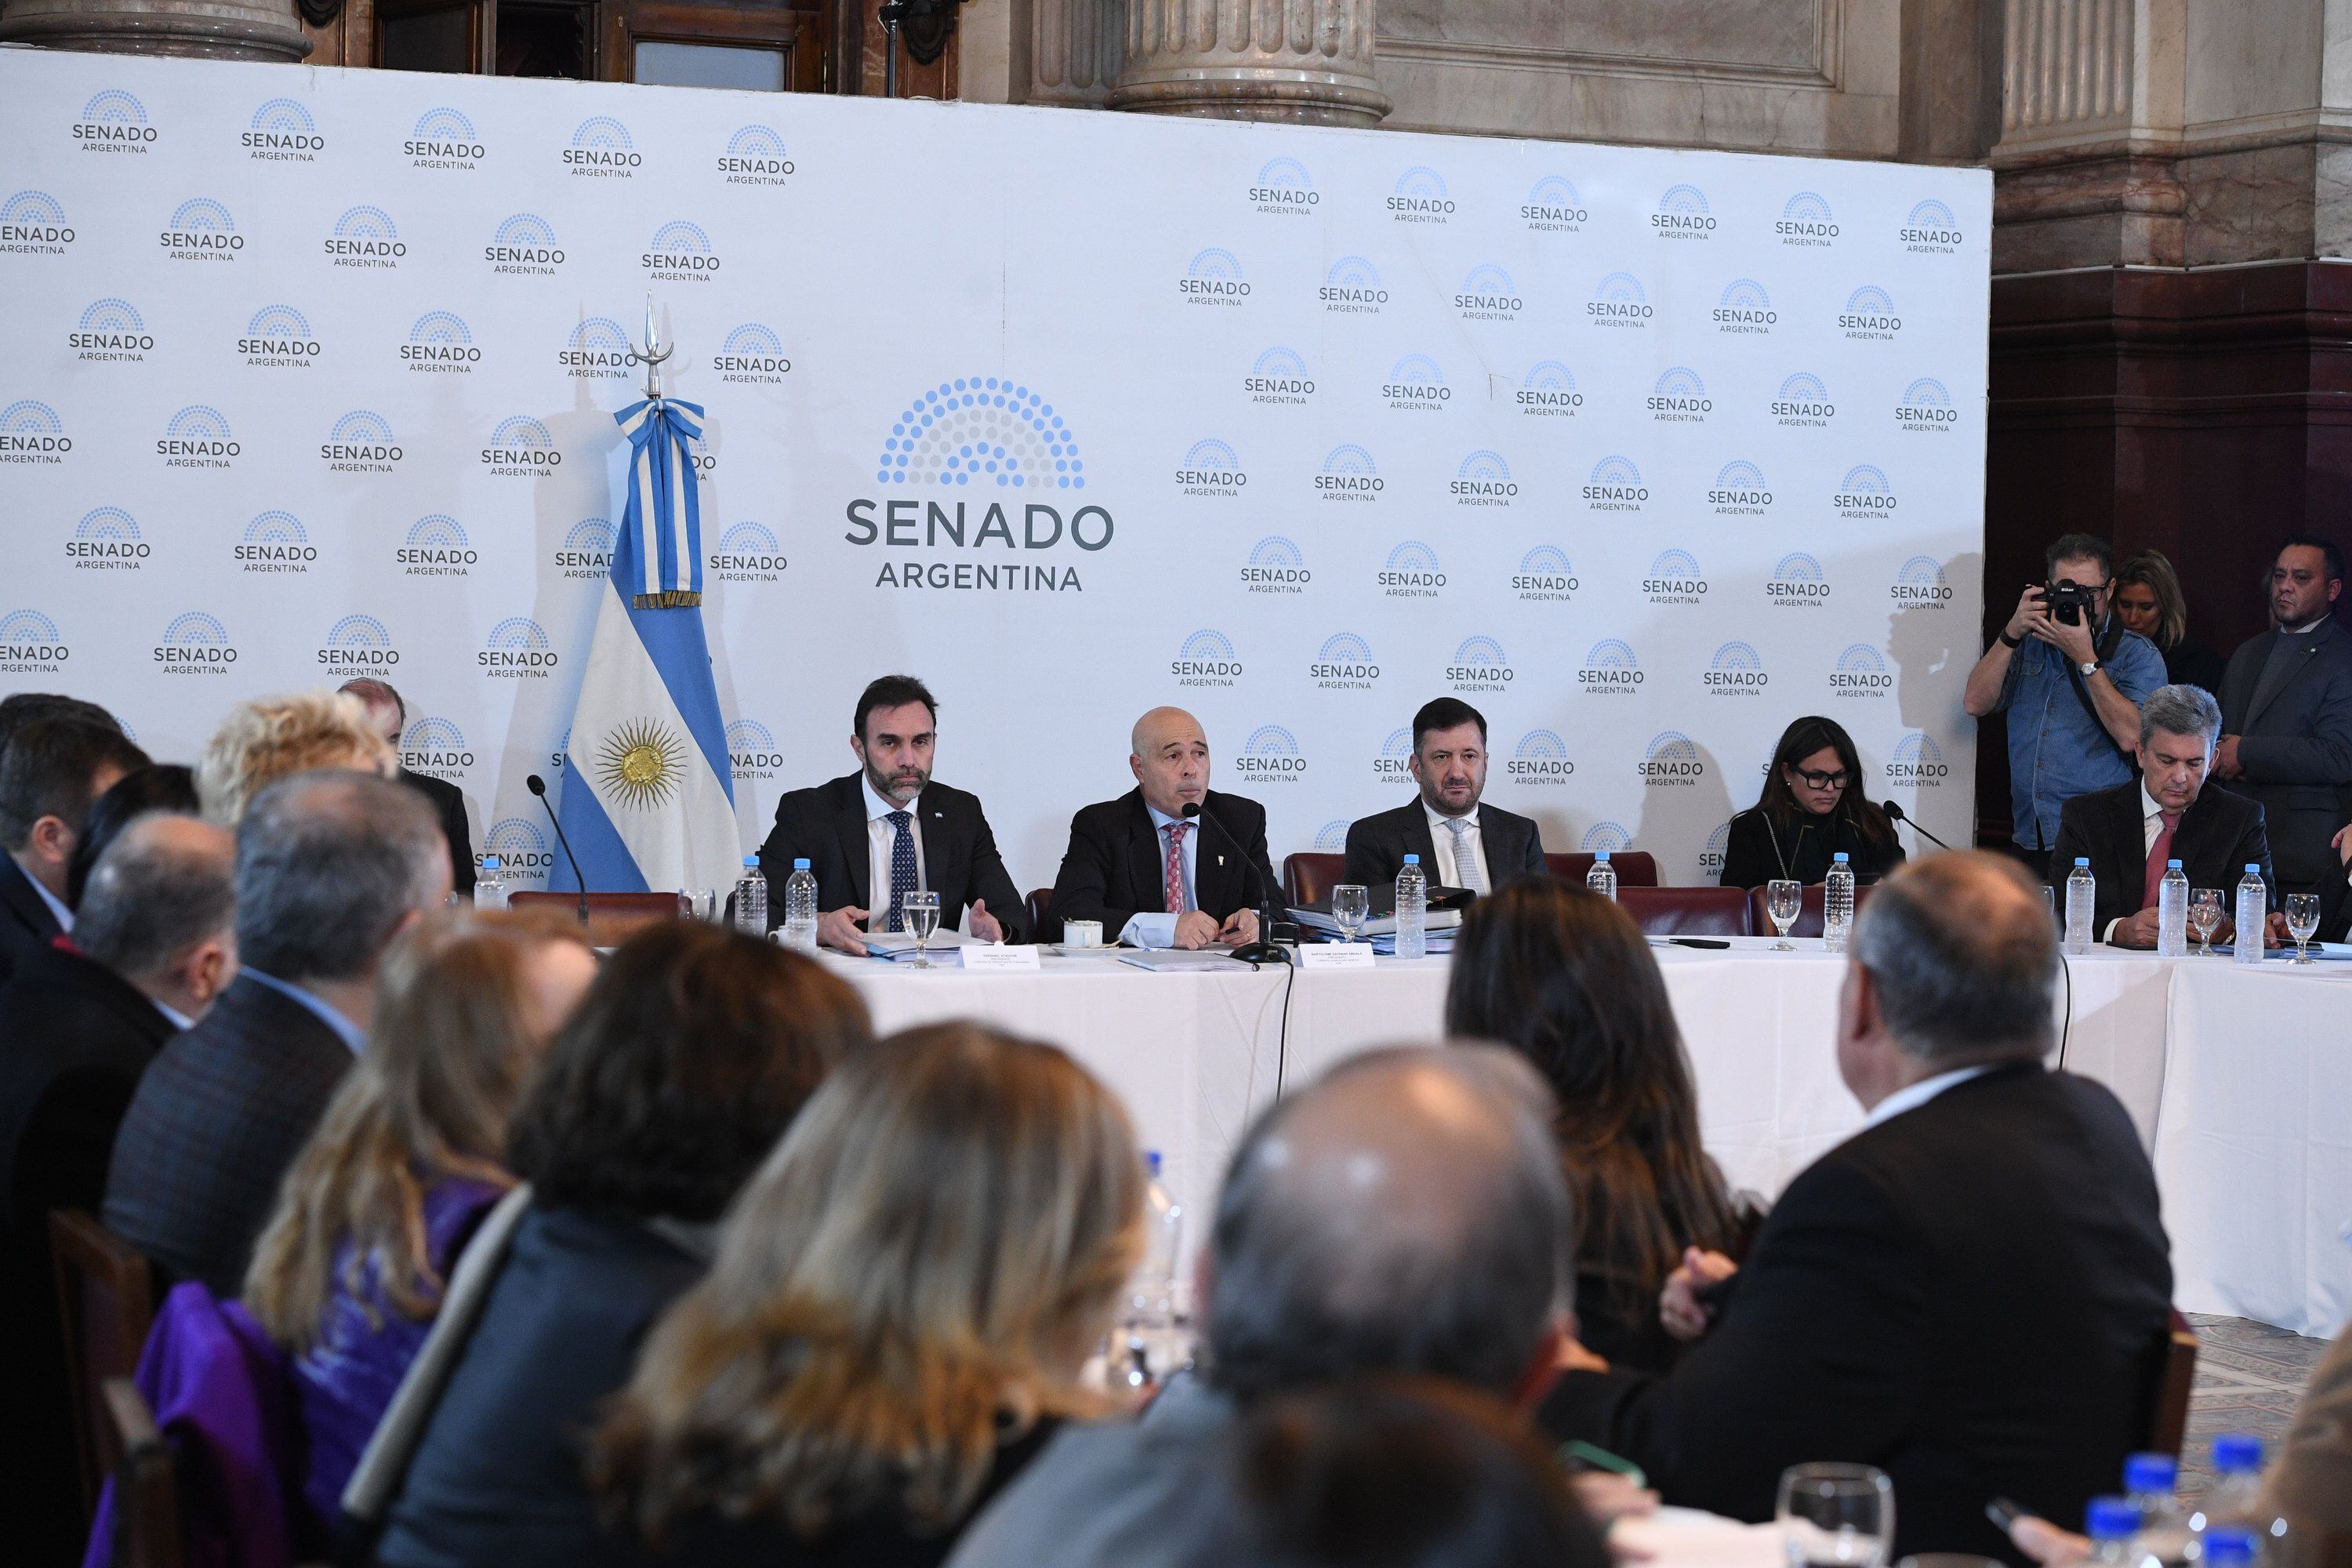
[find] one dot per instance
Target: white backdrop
(1643, 453)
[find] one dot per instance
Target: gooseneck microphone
(538, 786)
(1895, 814)
(1261, 951)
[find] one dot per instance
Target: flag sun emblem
(641, 764)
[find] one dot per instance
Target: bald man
(1152, 876)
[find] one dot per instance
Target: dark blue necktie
(902, 867)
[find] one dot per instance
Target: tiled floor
(2249, 1377)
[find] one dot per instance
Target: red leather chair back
(1808, 919)
(1309, 876)
(1687, 912)
(1042, 921)
(612, 918)
(1635, 868)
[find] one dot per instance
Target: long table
(2239, 1080)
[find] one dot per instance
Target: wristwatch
(2090, 668)
(2010, 642)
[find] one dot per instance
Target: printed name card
(999, 960)
(1335, 955)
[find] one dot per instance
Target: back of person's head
(1404, 1213)
(158, 786)
(329, 867)
(52, 770)
(460, 1022)
(165, 884)
(270, 737)
(917, 1273)
(692, 1052)
(19, 708)
(1396, 1473)
(1566, 978)
(1962, 957)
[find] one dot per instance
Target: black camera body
(2067, 601)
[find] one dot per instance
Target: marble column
(1076, 48)
(1307, 61)
(214, 29)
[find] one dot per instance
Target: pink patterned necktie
(1175, 880)
(2158, 853)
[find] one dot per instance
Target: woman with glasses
(1813, 807)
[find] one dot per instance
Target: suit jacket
(1971, 1295)
(1114, 868)
(2296, 747)
(1759, 850)
(826, 827)
(2219, 836)
(26, 924)
(1377, 845)
(218, 1117)
(449, 806)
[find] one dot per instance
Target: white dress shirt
(1920, 1093)
(1443, 837)
(2151, 824)
(1158, 928)
(58, 910)
(881, 838)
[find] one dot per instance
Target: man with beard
(1461, 843)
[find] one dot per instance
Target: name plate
(1001, 960)
(1335, 955)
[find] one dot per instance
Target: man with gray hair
(1970, 1293)
(331, 866)
(2173, 811)
(1404, 1214)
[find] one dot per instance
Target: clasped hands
(2138, 931)
(1197, 930)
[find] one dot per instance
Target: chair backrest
(612, 918)
(1688, 911)
(1635, 868)
(106, 1303)
(147, 1528)
(1309, 876)
(2176, 1371)
(1042, 921)
(1809, 917)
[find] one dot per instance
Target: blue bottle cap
(1151, 1163)
(2150, 1473)
(800, 865)
(2172, 865)
(2254, 868)
(750, 862)
(490, 863)
(2111, 1519)
(1413, 859)
(2082, 859)
(2237, 1453)
(1601, 857)
(2227, 1546)
(1839, 856)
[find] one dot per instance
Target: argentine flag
(649, 794)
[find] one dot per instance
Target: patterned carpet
(2249, 1376)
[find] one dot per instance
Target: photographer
(2070, 681)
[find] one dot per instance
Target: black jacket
(1114, 868)
(2189, 663)
(1971, 1295)
(26, 924)
(1755, 852)
(1377, 845)
(216, 1121)
(2219, 836)
(449, 806)
(2296, 749)
(826, 827)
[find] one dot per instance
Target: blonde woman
(2148, 601)
(902, 1300)
(406, 1162)
(263, 741)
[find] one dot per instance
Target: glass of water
(1783, 900)
(922, 916)
(697, 903)
(2205, 915)
(1836, 1516)
(2302, 919)
(1351, 905)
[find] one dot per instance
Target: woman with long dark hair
(1813, 807)
(1566, 978)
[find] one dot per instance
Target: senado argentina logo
(201, 229)
(1620, 300)
(31, 644)
(365, 239)
(521, 447)
(1682, 214)
(586, 549)
(1549, 391)
(1554, 207)
(516, 649)
(1614, 837)
(1918, 762)
(1672, 762)
(1332, 836)
(1283, 188)
(1276, 565)
(1675, 579)
(1278, 376)
(107, 539)
(194, 643)
(521, 849)
(1206, 658)
(276, 542)
(436, 546)
(441, 343)
(357, 644)
(1213, 276)
(1745, 308)
(1930, 230)
(198, 437)
(1803, 402)
(444, 138)
(33, 223)
(1926, 407)
(111, 330)
(1353, 288)
(114, 122)
(1740, 491)
(1679, 397)
(1861, 671)
(1416, 384)
(1411, 571)
(751, 355)
(1349, 475)
(1541, 758)
(680, 252)
(1209, 468)
(1271, 755)
(748, 552)
(1544, 573)
(360, 442)
(755, 155)
(1806, 220)
(1487, 294)
(751, 750)
(1003, 437)
(1480, 664)
(278, 337)
(32, 433)
(1615, 484)
(596, 350)
(1864, 493)
(1483, 479)
(283, 132)
(524, 245)
(1920, 584)
(1344, 663)
(602, 149)
(1798, 582)
(1420, 197)
(435, 746)
(1869, 315)
(1393, 765)
(1736, 670)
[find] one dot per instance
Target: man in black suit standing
(1462, 842)
(2286, 720)
(388, 712)
(331, 866)
(889, 829)
(1970, 1293)
(51, 771)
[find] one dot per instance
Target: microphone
(1895, 814)
(1261, 951)
(538, 786)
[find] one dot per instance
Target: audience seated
(407, 1159)
(694, 1050)
(2148, 601)
(331, 866)
(1563, 978)
(1404, 1214)
(1813, 807)
(1969, 1293)
(154, 945)
(901, 1304)
(269, 738)
(158, 786)
(51, 771)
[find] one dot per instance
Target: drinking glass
(1351, 906)
(2205, 915)
(921, 911)
(697, 903)
(2302, 919)
(1835, 1516)
(1783, 900)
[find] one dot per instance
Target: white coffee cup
(1082, 933)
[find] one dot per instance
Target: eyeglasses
(1824, 781)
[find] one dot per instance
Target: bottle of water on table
(1148, 1343)
(1602, 877)
(1412, 910)
(2228, 1546)
(2235, 1499)
(2111, 1522)
(1837, 903)
(489, 885)
(800, 909)
(2082, 899)
(752, 900)
(2172, 912)
(2163, 1539)
(2251, 914)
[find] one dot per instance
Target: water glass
(1835, 1516)
(921, 913)
(1783, 900)
(697, 903)
(1351, 906)
(2302, 919)
(2205, 915)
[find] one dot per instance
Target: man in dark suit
(889, 829)
(1461, 843)
(388, 712)
(331, 866)
(2286, 720)
(51, 772)
(2171, 812)
(1154, 877)
(1970, 1293)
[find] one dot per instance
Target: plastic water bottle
(2111, 1522)
(1148, 1343)
(1837, 903)
(1412, 910)
(489, 887)
(2235, 1499)
(2230, 1546)
(752, 900)
(2251, 899)
(1602, 877)
(2163, 1539)
(2081, 900)
(800, 909)
(2172, 912)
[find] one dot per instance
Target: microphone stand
(1895, 814)
(538, 786)
(1261, 951)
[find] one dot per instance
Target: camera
(2067, 601)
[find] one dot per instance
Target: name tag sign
(999, 960)
(1335, 955)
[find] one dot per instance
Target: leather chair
(1635, 868)
(147, 1528)
(612, 918)
(1042, 921)
(1809, 917)
(2176, 1373)
(1687, 912)
(105, 1304)
(1308, 877)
